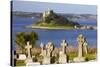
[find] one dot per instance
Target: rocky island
(51, 20)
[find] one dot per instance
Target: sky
(31, 6)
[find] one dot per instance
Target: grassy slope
(50, 27)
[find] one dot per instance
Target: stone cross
(28, 47)
(62, 53)
(49, 48)
(64, 44)
(47, 52)
(80, 40)
(81, 46)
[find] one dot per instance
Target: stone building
(47, 13)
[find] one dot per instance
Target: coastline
(62, 27)
(49, 28)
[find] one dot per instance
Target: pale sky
(31, 6)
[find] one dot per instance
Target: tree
(22, 38)
(31, 37)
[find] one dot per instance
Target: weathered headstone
(42, 48)
(22, 57)
(85, 48)
(62, 58)
(80, 40)
(43, 53)
(28, 47)
(62, 53)
(47, 53)
(28, 61)
(46, 60)
(49, 48)
(63, 45)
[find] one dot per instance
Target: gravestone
(62, 53)
(47, 53)
(22, 57)
(85, 48)
(28, 61)
(62, 58)
(63, 45)
(28, 47)
(42, 48)
(49, 48)
(80, 40)
(46, 60)
(43, 53)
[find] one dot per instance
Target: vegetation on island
(51, 19)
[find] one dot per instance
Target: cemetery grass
(71, 55)
(88, 57)
(20, 63)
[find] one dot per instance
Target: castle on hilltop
(47, 13)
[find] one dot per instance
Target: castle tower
(44, 14)
(47, 13)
